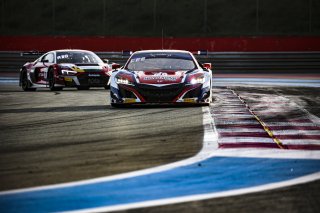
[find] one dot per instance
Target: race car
(161, 76)
(65, 68)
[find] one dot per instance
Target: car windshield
(161, 61)
(74, 57)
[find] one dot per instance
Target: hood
(160, 77)
(84, 67)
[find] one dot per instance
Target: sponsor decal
(63, 56)
(77, 69)
(129, 100)
(160, 77)
(93, 75)
(67, 79)
(137, 59)
(190, 100)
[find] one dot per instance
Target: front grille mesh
(86, 80)
(160, 94)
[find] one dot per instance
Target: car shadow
(148, 106)
(91, 108)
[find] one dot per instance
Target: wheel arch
(23, 71)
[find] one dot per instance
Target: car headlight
(198, 80)
(68, 72)
(123, 81)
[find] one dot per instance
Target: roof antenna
(162, 38)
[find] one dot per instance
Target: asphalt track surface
(56, 137)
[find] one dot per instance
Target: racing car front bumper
(177, 93)
(97, 80)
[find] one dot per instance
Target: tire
(211, 95)
(205, 104)
(83, 87)
(52, 82)
(117, 105)
(25, 83)
(107, 87)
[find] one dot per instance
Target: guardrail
(223, 62)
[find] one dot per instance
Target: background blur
(151, 18)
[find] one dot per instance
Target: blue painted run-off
(216, 174)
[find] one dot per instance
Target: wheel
(83, 87)
(107, 87)
(52, 81)
(25, 83)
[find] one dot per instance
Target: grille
(93, 81)
(160, 94)
(93, 70)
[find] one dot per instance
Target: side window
(48, 57)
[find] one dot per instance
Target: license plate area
(94, 80)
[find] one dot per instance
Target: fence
(223, 62)
(179, 18)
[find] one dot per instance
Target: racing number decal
(43, 73)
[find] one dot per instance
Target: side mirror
(105, 60)
(115, 66)
(207, 66)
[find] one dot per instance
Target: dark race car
(161, 76)
(65, 68)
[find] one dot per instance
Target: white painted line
(295, 132)
(236, 122)
(232, 115)
(271, 124)
(277, 132)
(210, 144)
(276, 110)
(234, 130)
(269, 153)
(254, 153)
(199, 197)
(300, 141)
(285, 106)
(245, 140)
(209, 150)
(270, 82)
(230, 101)
(228, 106)
(229, 110)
